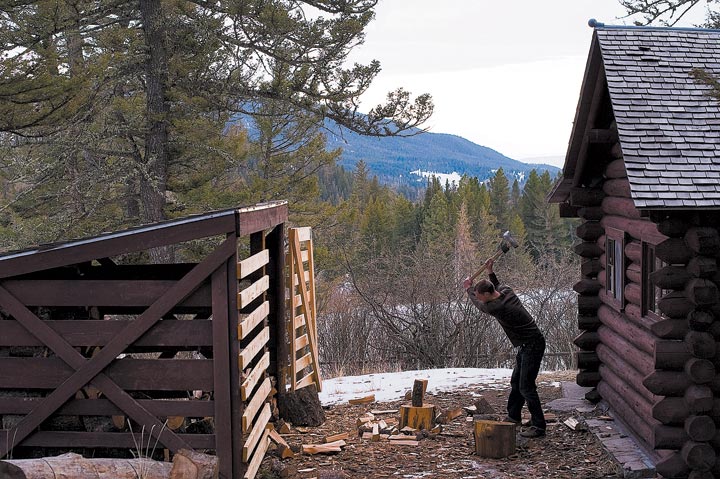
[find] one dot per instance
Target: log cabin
(642, 173)
(102, 355)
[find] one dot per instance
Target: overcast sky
(503, 74)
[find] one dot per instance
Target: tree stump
(301, 407)
(422, 417)
(494, 439)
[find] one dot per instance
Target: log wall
(658, 372)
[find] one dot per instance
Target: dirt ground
(562, 453)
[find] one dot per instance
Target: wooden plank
(104, 407)
(306, 276)
(299, 321)
(313, 317)
(306, 381)
(255, 376)
(221, 371)
(86, 369)
(252, 320)
(261, 217)
(275, 242)
(304, 255)
(64, 439)
(253, 263)
(256, 433)
(301, 342)
(165, 333)
(304, 234)
(255, 346)
(100, 293)
(304, 362)
(249, 294)
(255, 404)
(258, 456)
(129, 374)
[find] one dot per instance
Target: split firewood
(437, 429)
(418, 392)
(376, 433)
(407, 442)
(400, 437)
(323, 448)
(383, 411)
(337, 437)
(408, 394)
(482, 406)
(362, 400)
(284, 450)
(382, 424)
(408, 430)
(188, 463)
(284, 427)
(364, 420)
(574, 424)
(447, 416)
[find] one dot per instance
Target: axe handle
(494, 257)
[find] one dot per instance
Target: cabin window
(651, 294)
(615, 266)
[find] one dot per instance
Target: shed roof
(668, 124)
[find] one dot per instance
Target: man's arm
(491, 274)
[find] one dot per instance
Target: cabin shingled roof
(668, 125)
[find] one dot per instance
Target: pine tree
(499, 190)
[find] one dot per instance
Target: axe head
(509, 240)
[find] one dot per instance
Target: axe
(505, 244)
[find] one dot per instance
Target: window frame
(650, 293)
(615, 265)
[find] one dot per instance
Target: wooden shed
(643, 173)
(90, 347)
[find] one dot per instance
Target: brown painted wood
(187, 333)
(121, 293)
(237, 406)
(674, 226)
(675, 305)
(587, 378)
(698, 456)
(639, 337)
(700, 371)
(129, 374)
(64, 439)
(628, 352)
(588, 323)
(634, 399)
(700, 428)
(615, 205)
(589, 231)
(669, 437)
(590, 268)
(701, 292)
(221, 369)
(672, 466)
(673, 251)
(276, 318)
(586, 196)
(641, 229)
(113, 244)
(703, 240)
(104, 407)
(633, 272)
(699, 320)
(588, 249)
(567, 210)
(620, 408)
(258, 218)
(615, 153)
(616, 169)
(633, 293)
(671, 411)
(699, 399)
(602, 136)
(587, 340)
(633, 251)
(617, 187)
(701, 344)
(702, 267)
(591, 213)
(667, 383)
(670, 328)
(588, 305)
(89, 369)
(625, 370)
(587, 360)
(587, 286)
(670, 277)
(671, 354)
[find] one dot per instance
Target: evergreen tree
(499, 189)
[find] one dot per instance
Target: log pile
(657, 369)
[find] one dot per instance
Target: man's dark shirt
(517, 323)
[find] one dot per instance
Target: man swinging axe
(500, 301)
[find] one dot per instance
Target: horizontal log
(625, 370)
(669, 437)
(616, 154)
(667, 383)
(633, 398)
(701, 292)
(165, 333)
(702, 267)
(617, 187)
(699, 399)
(639, 337)
(671, 354)
(673, 227)
(103, 407)
(700, 428)
(589, 231)
(588, 323)
(701, 344)
(591, 213)
(673, 467)
(633, 293)
(616, 169)
(633, 272)
(635, 357)
(586, 196)
(587, 379)
(670, 328)
(698, 455)
(590, 267)
(588, 305)
(633, 312)
(567, 210)
(587, 249)
(127, 440)
(673, 251)
(100, 293)
(587, 340)
(641, 229)
(625, 207)
(587, 287)
(636, 422)
(700, 371)
(699, 320)
(671, 411)
(75, 466)
(670, 277)
(675, 305)
(587, 360)
(129, 374)
(703, 241)
(633, 251)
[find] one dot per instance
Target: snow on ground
(392, 386)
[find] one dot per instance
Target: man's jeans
(523, 388)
